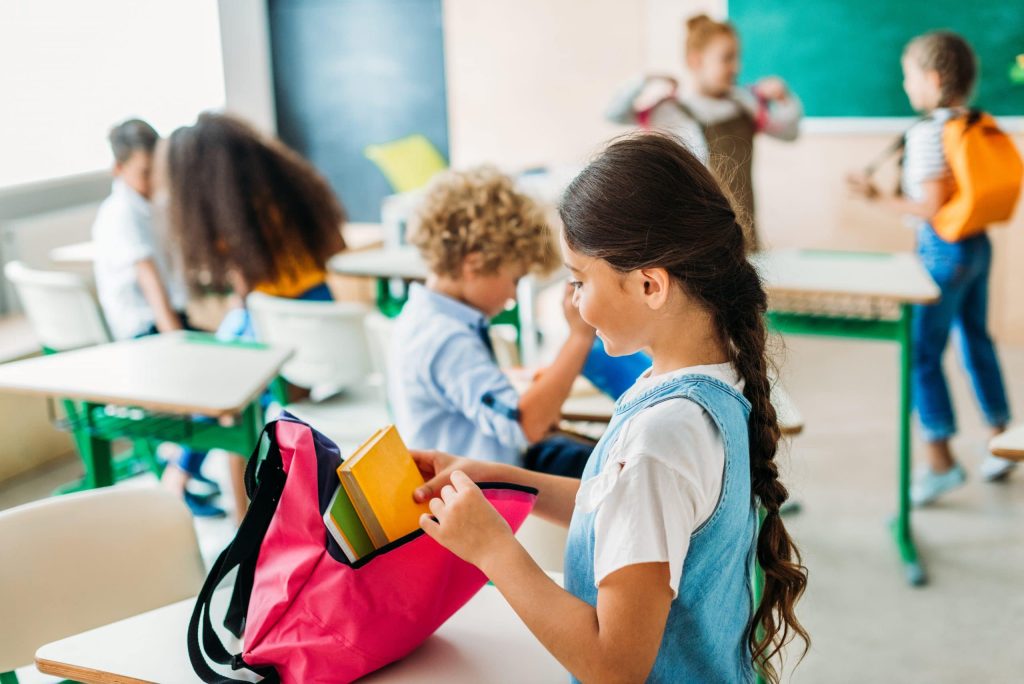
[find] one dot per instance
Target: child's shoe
(993, 468)
(929, 485)
(202, 508)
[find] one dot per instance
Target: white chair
(76, 562)
(60, 306)
(331, 358)
(379, 329)
(328, 340)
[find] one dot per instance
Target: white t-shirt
(661, 480)
(124, 234)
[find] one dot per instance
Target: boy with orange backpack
(959, 174)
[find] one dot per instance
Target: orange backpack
(987, 171)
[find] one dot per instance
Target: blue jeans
(961, 271)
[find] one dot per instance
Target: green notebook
(344, 525)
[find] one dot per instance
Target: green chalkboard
(351, 73)
(843, 57)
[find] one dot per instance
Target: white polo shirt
(124, 234)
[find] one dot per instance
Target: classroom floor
(866, 623)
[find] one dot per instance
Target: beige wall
(245, 52)
(528, 81)
(27, 438)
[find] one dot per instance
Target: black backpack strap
(238, 605)
(264, 492)
(895, 147)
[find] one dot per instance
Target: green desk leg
(96, 452)
(99, 467)
(253, 424)
(901, 526)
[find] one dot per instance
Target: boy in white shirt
(140, 290)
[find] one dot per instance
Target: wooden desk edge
(585, 417)
(791, 430)
(1014, 454)
(75, 673)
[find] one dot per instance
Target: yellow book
(380, 478)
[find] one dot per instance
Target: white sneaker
(995, 468)
(929, 485)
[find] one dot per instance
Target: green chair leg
(144, 451)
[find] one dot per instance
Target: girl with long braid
(663, 526)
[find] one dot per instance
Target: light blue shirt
(445, 388)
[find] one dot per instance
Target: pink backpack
(304, 612)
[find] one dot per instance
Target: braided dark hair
(647, 202)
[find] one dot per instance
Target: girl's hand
(466, 523)
(860, 185)
(436, 467)
(772, 88)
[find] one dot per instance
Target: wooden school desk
(483, 642)
(1010, 444)
(864, 296)
(153, 387)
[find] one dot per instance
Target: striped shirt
(924, 158)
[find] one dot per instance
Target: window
(70, 69)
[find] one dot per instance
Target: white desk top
(893, 276)
(175, 373)
(383, 262)
(483, 642)
(362, 235)
(78, 253)
(1010, 444)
